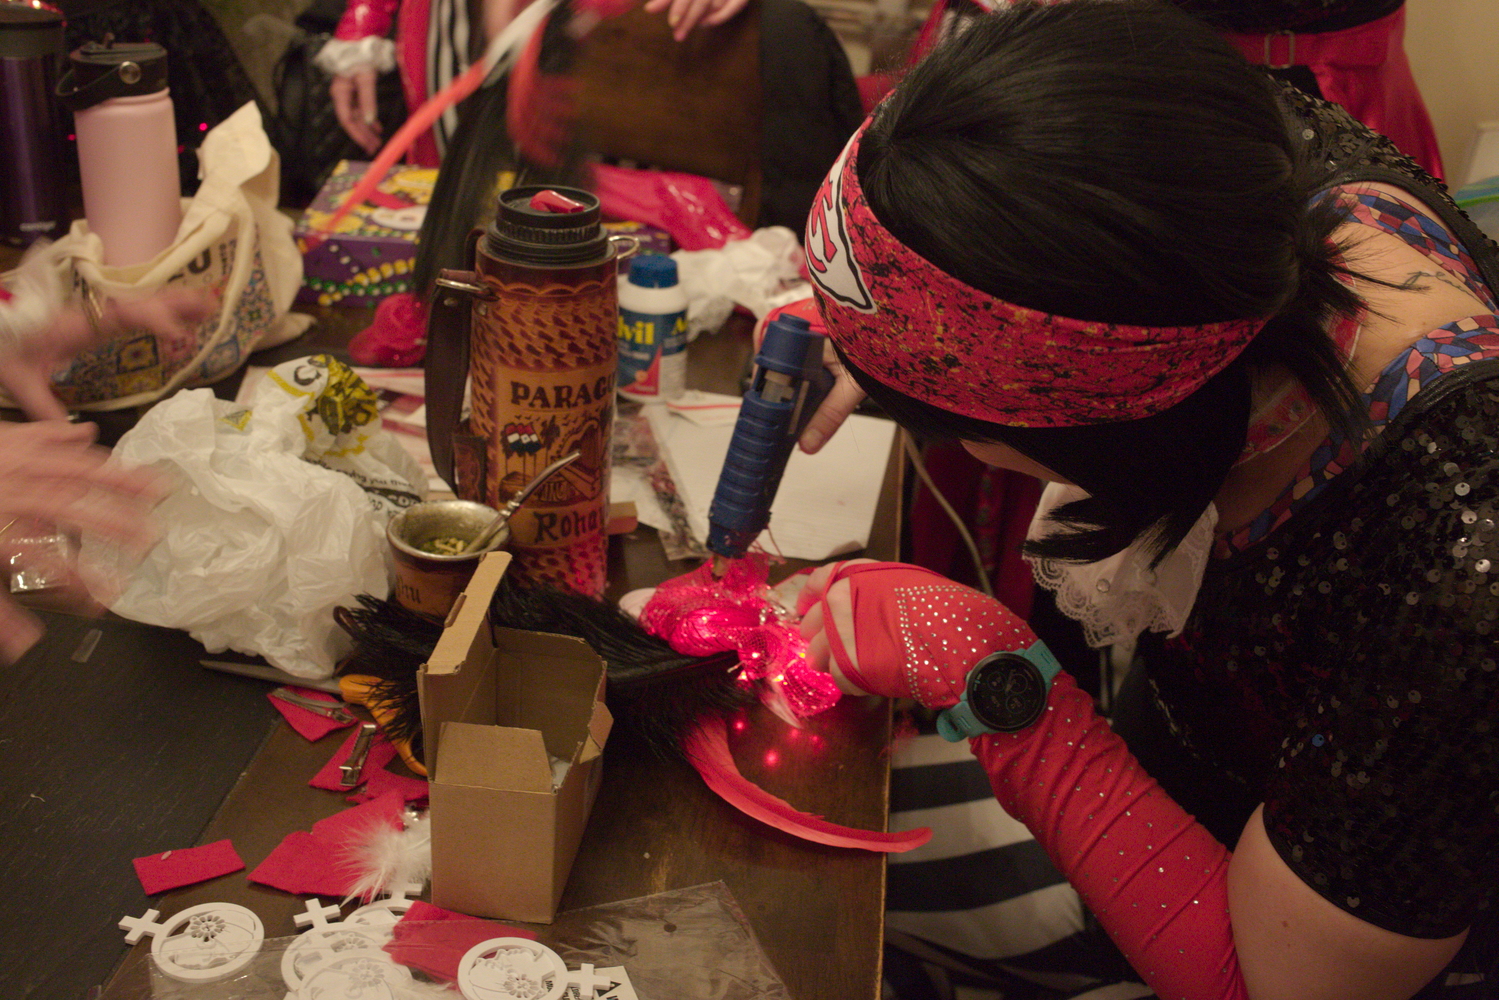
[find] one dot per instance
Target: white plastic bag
(754, 273)
(277, 514)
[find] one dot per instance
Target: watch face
(1006, 692)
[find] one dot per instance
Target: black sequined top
(1344, 670)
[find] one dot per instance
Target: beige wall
(1454, 52)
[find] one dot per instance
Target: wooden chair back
(690, 106)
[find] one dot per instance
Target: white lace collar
(1121, 597)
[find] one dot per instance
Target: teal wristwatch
(1005, 693)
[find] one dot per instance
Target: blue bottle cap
(653, 270)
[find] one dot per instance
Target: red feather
(707, 746)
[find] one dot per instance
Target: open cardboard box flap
(498, 707)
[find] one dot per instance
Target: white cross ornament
(317, 915)
(139, 927)
(201, 943)
(390, 909)
(588, 982)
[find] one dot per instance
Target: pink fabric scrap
(382, 751)
(187, 866)
(383, 781)
(317, 862)
(308, 724)
(435, 940)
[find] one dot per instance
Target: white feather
(387, 858)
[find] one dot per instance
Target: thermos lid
(549, 227)
(27, 32)
(653, 270)
(99, 72)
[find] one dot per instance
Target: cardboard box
(369, 255)
(500, 710)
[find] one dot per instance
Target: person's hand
(355, 105)
(842, 399)
(51, 472)
(26, 370)
(684, 15)
(902, 631)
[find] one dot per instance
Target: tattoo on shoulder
(1413, 281)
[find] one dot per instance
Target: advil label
(652, 354)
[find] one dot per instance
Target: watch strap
(960, 722)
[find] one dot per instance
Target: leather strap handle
(449, 322)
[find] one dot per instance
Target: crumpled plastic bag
(276, 515)
(757, 273)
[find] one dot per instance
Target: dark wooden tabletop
(817, 911)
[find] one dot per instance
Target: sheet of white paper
(825, 506)
(629, 485)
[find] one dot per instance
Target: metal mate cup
(426, 581)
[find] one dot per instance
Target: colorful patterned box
(369, 255)
(652, 240)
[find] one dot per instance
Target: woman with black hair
(1252, 349)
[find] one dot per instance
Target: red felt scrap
(318, 862)
(382, 751)
(382, 781)
(435, 940)
(186, 866)
(309, 724)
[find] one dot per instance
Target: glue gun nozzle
(720, 566)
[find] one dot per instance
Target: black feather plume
(652, 689)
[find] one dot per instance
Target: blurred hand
(684, 15)
(26, 371)
(902, 631)
(355, 105)
(51, 472)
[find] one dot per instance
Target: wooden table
(817, 911)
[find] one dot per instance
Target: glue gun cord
(973, 550)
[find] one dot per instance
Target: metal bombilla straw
(493, 527)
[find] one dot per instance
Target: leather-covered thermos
(534, 325)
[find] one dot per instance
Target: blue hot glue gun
(789, 384)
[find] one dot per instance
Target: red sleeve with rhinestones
(363, 18)
(1154, 877)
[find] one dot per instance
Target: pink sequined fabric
(699, 616)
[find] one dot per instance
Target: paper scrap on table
(826, 503)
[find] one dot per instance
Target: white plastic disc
(319, 944)
(207, 941)
(381, 913)
(355, 975)
(511, 969)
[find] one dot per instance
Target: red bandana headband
(923, 332)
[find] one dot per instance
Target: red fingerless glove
(916, 632)
(363, 18)
(1155, 878)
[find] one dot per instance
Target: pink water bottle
(127, 147)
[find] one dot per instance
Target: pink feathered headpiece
(928, 335)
